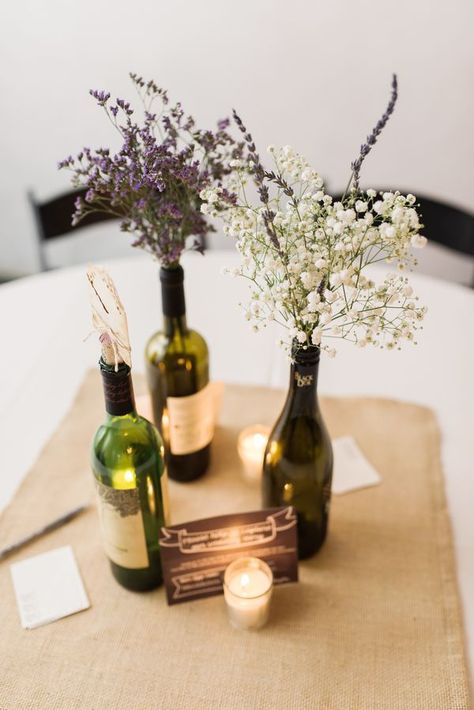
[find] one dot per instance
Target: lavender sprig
(372, 138)
(260, 176)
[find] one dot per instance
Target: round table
(44, 357)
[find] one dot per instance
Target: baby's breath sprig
(313, 276)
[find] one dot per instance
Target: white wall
(310, 73)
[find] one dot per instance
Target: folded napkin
(351, 468)
(47, 587)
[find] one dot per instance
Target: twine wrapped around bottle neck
(118, 388)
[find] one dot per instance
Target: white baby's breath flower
(418, 241)
(313, 300)
(306, 263)
(387, 231)
(308, 279)
(330, 296)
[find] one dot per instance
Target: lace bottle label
(191, 421)
(123, 532)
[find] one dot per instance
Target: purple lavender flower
(259, 176)
(66, 163)
(125, 106)
(153, 183)
(372, 139)
(101, 96)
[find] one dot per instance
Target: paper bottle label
(191, 421)
(123, 532)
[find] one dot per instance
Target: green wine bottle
(298, 458)
(177, 365)
(130, 476)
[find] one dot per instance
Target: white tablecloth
(45, 319)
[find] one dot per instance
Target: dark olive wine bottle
(130, 476)
(298, 459)
(177, 364)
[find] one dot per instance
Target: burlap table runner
(373, 623)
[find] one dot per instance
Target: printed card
(194, 555)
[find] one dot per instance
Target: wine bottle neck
(304, 382)
(118, 389)
(175, 326)
(172, 290)
(172, 300)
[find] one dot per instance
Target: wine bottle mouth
(122, 368)
(172, 291)
(172, 276)
(305, 356)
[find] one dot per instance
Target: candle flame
(260, 441)
(244, 581)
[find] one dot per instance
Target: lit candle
(248, 586)
(251, 447)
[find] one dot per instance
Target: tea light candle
(248, 586)
(251, 447)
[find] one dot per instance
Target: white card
(48, 587)
(351, 468)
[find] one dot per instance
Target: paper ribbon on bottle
(108, 317)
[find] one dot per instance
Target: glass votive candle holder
(248, 587)
(251, 447)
